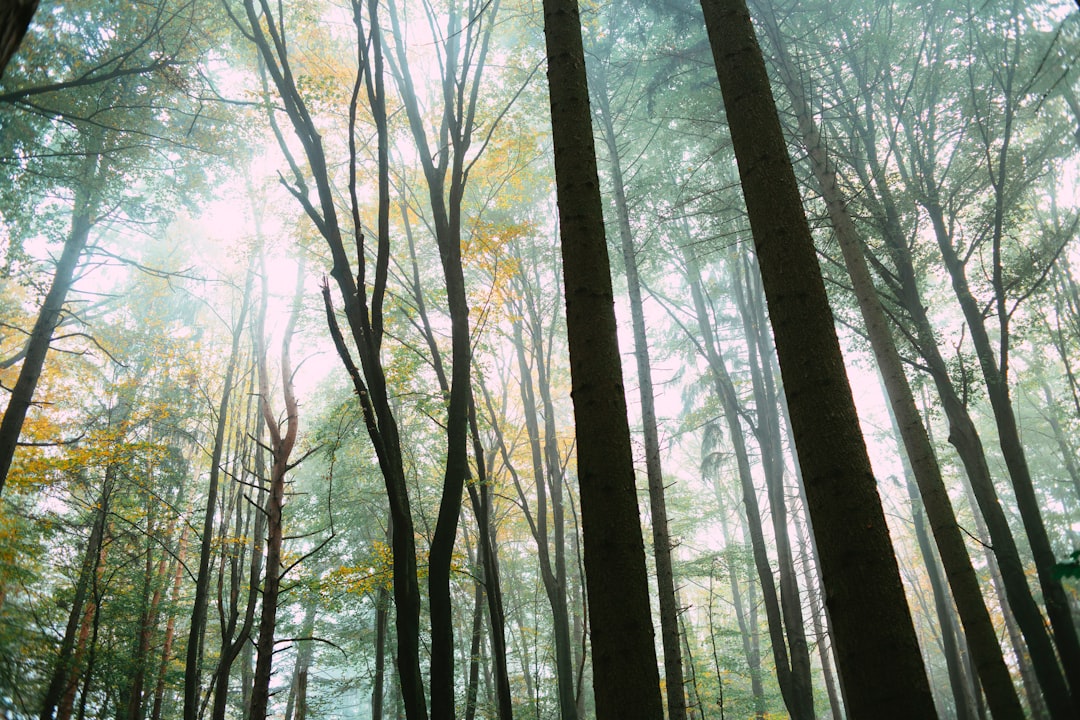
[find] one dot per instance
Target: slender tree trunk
(382, 616)
(281, 446)
(170, 626)
(749, 635)
(363, 307)
(669, 611)
(821, 635)
(1027, 501)
(979, 629)
(729, 401)
(963, 697)
(1068, 453)
(868, 608)
(767, 432)
(625, 677)
(965, 439)
(63, 674)
(473, 686)
(296, 708)
(197, 628)
(51, 312)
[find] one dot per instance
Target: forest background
(288, 426)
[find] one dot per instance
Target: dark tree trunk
(14, 22)
(626, 680)
(363, 306)
(862, 582)
(480, 496)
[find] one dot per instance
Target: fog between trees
(540, 360)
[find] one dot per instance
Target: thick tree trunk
(862, 582)
(625, 677)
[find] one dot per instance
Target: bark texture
(863, 591)
(625, 678)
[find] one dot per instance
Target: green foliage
(1069, 568)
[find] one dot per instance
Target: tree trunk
(795, 698)
(49, 316)
(665, 580)
(197, 628)
(281, 446)
(859, 571)
(626, 681)
(965, 439)
(748, 635)
(979, 629)
(63, 674)
(767, 432)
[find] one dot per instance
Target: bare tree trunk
(197, 629)
(795, 698)
(626, 681)
(842, 499)
(49, 316)
(665, 580)
(281, 446)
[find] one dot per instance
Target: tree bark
(862, 582)
(626, 681)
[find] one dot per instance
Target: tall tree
(859, 570)
(282, 442)
(981, 635)
(625, 677)
(363, 303)
(669, 611)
